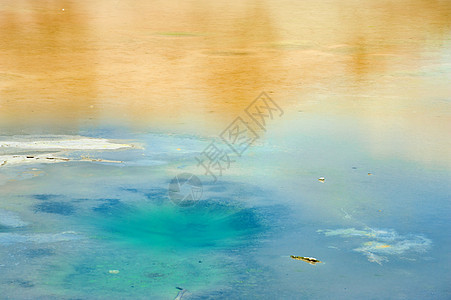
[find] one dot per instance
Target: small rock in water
(310, 260)
(113, 271)
(322, 179)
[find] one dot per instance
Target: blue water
(103, 230)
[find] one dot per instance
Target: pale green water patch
(207, 225)
(122, 272)
(148, 248)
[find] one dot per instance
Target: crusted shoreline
(60, 144)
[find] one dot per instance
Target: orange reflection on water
(200, 62)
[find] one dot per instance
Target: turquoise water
(103, 230)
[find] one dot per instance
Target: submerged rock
(180, 294)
